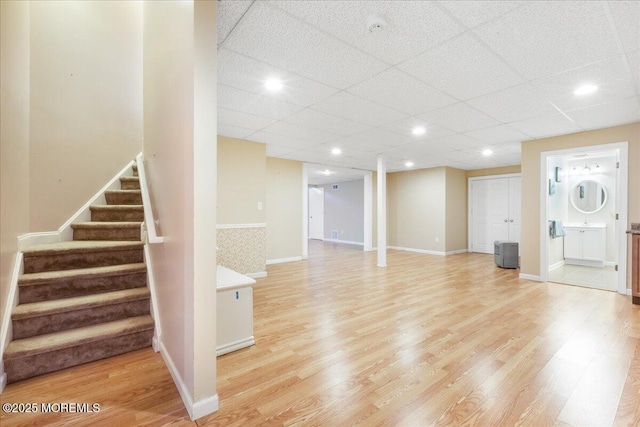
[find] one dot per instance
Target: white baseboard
(235, 345)
(281, 260)
(418, 251)
(65, 232)
(629, 292)
(10, 304)
(155, 311)
(530, 277)
(257, 275)
(556, 265)
(198, 409)
(348, 242)
(459, 251)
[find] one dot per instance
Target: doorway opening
(585, 209)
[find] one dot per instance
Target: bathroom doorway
(585, 205)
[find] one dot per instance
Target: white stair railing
(149, 220)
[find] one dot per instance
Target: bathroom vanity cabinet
(585, 245)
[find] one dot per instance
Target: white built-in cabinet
(585, 245)
(495, 211)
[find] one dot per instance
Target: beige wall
(456, 210)
(494, 171)
(530, 256)
(86, 102)
(241, 181)
(180, 149)
(416, 203)
(14, 136)
(284, 208)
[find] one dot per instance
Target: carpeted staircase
(86, 299)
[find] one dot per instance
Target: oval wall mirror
(588, 196)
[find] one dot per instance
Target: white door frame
(621, 207)
(305, 211)
(470, 181)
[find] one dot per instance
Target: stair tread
(74, 246)
(36, 278)
(69, 304)
(123, 191)
(72, 337)
(129, 178)
(107, 224)
(116, 207)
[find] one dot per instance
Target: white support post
(368, 211)
(305, 211)
(382, 212)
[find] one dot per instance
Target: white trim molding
(10, 304)
(235, 345)
(197, 409)
(149, 221)
(281, 260)
(347, 242)
(556, 265)
(155, 311)
(254, 225)
(65, 232)
(629, 293)
(257, 275)
(530, 277)
(428, 252)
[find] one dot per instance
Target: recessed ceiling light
(487, 152)
(585, 90)
(336, 151)
(418, 130)
(273, 84)
(409, 164)
(326, 172)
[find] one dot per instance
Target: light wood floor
(426, 341)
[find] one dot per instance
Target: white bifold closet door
(495, 212)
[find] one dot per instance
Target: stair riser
(30, 366)
(37, 264)
(132, 234)
(40, 325)
(117, 215)
(69, 288)
(130, 185)
(123, 198)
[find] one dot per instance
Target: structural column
(305, 211)
(368, 211)
(382, 212)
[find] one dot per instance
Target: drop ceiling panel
(543, 38)
(474, 13)
(240, 119)
(281, 140)
(301, 132)
(462, 67)
(275, 37)
(399, 91)
(326, 122)
(347, 20)
(258, 105)
(276, 151)
(424, 148)
(540, 127)
(234, 131)
(372, 147)
(626, 16)
(613, 113)
(460, 117)
(515, 103)
(405, 127)
(354, 108)
(634, 64)
(228, 13)
(610, 76)
(382, 137)
(497, 135)
(249, 74)
(461, 156)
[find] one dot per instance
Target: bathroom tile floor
(591, 277)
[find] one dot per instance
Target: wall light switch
(259, 206)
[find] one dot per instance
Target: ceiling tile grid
(472, 74)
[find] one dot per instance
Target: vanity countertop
(228, 279)
(635, 228)
(588, 225)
